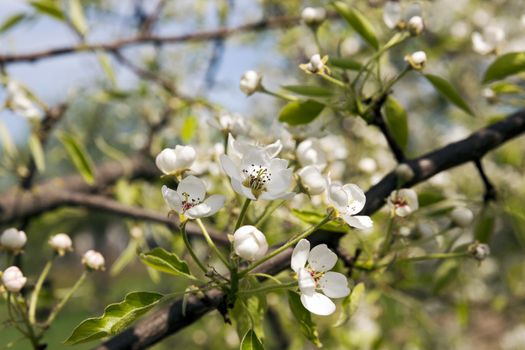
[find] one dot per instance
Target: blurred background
(111, 109)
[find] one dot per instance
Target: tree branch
(170, 319)
(490, 190)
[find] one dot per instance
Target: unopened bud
(61, 243)
(250, 82)
(93, 260)
(13, 279)
(479, 251)
(313, 16)
(13, 240)
(415, 25)
(249, 243)
(462, 217)
(404, 172)
(417, 60)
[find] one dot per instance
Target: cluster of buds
(410, 19)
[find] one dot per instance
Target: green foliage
(164, 261)
(300, 112)
(314, 218)
(251, 342)
(105, 63)
(351, 303)
(449, 92)
(504, 66)
(309, 90)
(397, 121)
(303, 317)
(249, 311)
(485, 223)
(345, 63)
(116, 317)
(77, 17)
(11, 22)
(188, 129)
(359, 22)
(79, 156)
(50, 8)
(35, 146)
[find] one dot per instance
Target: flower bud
(415, 25)
(313, 16)
(249, 243)
(310, 152)
(490, 95)
(13, 240)
(417, 60)
(173, 161)
(13, 279)
(404, 172)
(312, 179)
(250, 82)
(61, 243)
(93, 260)
(367, 165)
(462, 217)
(479, 251)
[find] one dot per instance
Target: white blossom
(317, 64)
(250, 82)
(230, 123)
(61, 243)
(313, 15)
(403, 202)
(189, 199)
(13, 240)
(317, 283)
(255, 172)
(462, 217)
(489, 41)
(415, 25)
(310, 152)
(249, 243)
(367, 165)
(173, 161)
(13, 279)
(312, 179)
(349, 200)
(417, 60)
(19, 102)
(93, 260)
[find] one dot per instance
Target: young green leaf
(35, 146)
(105, 63)
(125, 258)
(164, 261)
(345, 63)
(11, 21)
(306, 90)
(115, 319)
(188, 129)
(397, 121)
(249, 310)
(251, 342)
(505, 65)
(449, 92)
(50, 8)
(358, 22)
(303, 317)
(485, 224)
(300, 112)
(76, 14)
(351, 303)
(314, 218)
(8, 146)
(79, 156)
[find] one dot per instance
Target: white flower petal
(337, 195)
(198, 211)
(356, 198)
(229, 167)
(193, 187)
(359, 221)
(172, 199)
(215, 202)
(306, 281)
(321, 258)
(272, 150)
(242, 190)
(334, 285)
(300, 254)
(318, 304)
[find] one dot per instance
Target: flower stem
(190, 249)
(211, 244)
(66, 298)
(285, 246)
(389, 239)
(36, 291)
(436, 256)
(332, 80)
(242, 214)
(277, 94)
(269, 288)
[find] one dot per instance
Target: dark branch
(490, 190)
(170, 319)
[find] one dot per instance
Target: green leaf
(303, 317)
(35, 146)
(449, 92)
(345, 63)
(105, 63)
(314, 218)
(50, 8)
(249, 311)
(77, 17)
(116, 317)
(306, 90)
(188, 129)
(11, 21)
(358, 22)
(251, 342)
(485, 224)
(300, 112)
(79, 156)
(506, 88)
(164, 261)
(8, 146)
(397, 121)
(445, 275)
(505, 65)
(125, 258)
(351, 303)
